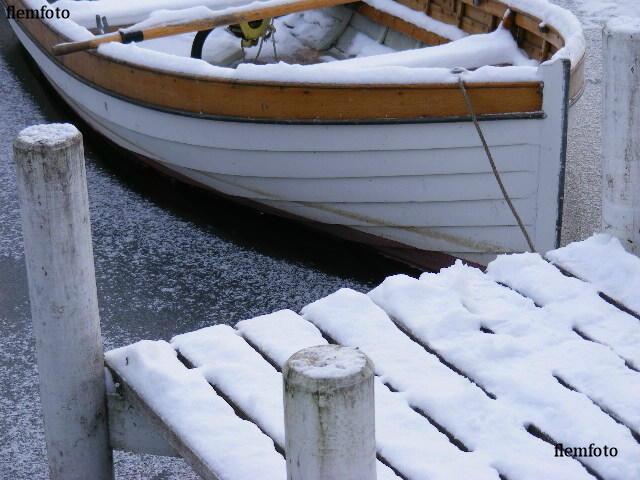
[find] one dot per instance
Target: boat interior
(353, 30)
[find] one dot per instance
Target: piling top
(624, 25)
(327, 367)
(52, 135)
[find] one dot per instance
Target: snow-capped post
(52, 188)
(329, 414)
(621, 131)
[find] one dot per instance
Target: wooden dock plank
(590, 368)
(199, 424)
(478, 375)
(602, 261)
(462, 408)
(229, 363)
(529, 370)
(405, 438)
(576, 302)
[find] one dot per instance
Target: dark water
(169, 259)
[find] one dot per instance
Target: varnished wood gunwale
(540, 43)
(291, 101)
(484, 18)
(400, 25)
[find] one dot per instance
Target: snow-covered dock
(530, 370)
(478, 375)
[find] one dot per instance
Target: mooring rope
(496, 174)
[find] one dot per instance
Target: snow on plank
(236, 369)
(229, 363)
(475, 380)
(202, 426)
(404, 438)
(487, 426)
(281, 334)
(575, 303)
(591, 368)
(520, 369)
(602, 261)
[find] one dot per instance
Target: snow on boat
(351, 117)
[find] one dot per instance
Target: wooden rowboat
(380, 148)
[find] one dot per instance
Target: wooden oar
(239, 16)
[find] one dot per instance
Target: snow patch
(603, 261)
(49, 135)
(233, 448)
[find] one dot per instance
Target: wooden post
(64, 307)
(621, 131)
(329, 415)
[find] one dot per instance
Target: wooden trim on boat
(198, 95)
(539, 40)
(400, 25)
(264, 100)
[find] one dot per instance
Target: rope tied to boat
(496, 174)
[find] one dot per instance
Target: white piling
(621, 131)
(329, 415)
(64, 307)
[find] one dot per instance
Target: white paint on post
(621, 131)
(329, 415)
(64, 307)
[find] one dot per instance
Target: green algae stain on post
(329, 414)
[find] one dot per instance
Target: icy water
(168, 260)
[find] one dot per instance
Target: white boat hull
(425, 185)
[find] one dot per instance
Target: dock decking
(478, 375)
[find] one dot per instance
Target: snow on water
(602, 261)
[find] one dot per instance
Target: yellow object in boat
(250, 32)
